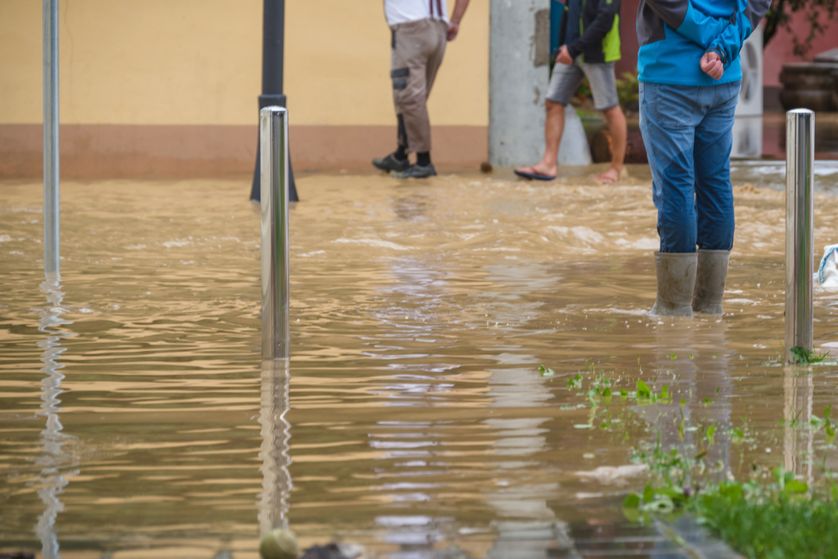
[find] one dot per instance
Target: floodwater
(137, 420)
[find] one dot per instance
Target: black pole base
(271, 100)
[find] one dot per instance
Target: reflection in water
(526, 525)
(413, 207)
(693, 359)
(52, 481)
(798, 436)
(275, 454)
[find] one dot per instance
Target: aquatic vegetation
(770, 514)
(781, 518)
(803, 356)
(546, 372)
(600, 388)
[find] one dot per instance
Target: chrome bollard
(52, 232)
(274, 180)
(800, 230)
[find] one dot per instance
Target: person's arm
(598, 28)
(690, 22)
(729, 42)
(454, 24)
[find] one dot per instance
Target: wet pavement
(138, 421)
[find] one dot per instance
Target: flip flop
(534, 175)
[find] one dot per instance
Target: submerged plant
(804, 356)
(778, 519)
(770, 514)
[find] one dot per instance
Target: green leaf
(631, 502)
(710, 435)
(795, 487)
(643, 391)
(546, 372)
(732, 491)
(631, 507)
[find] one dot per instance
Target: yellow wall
(199, 62)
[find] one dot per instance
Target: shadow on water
(422, 427)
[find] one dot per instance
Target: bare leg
(553, 129)
(617, 129)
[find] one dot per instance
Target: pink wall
(779, 50)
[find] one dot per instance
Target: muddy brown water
(137, 419)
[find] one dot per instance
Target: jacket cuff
(574, 50)
(716, 48)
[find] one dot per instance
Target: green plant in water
(826, 423)
(768, 516)
(783, 518)
(803, 356)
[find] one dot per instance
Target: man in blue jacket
(689, 75)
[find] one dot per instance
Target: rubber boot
(676, 282)
(710, 281)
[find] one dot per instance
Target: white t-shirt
(402, 11)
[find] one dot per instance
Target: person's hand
(453, 29)
(564, 56)
(711, 64)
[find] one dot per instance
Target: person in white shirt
(419, 32)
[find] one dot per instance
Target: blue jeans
(688, 134)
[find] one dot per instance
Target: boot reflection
(693, 359)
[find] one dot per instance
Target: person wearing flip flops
(689, 73)
(591, 46)
(419, 31)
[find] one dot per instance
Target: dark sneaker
(418, 172)
(390, 163)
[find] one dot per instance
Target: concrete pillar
(747, 126)
(519, 72)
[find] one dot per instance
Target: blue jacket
(674, 34)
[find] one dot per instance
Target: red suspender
(431, 7)
(439, 8)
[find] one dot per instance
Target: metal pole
(800, 230)
(52, 175)
(273, 59)
(273, 131)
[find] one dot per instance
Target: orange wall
(198, 62)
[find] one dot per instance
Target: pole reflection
(53, 480)
(798, 444)
(274, 456)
